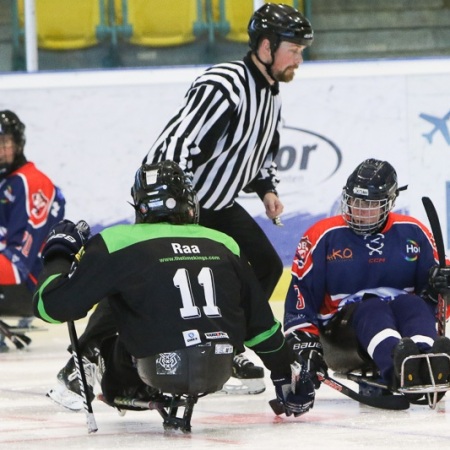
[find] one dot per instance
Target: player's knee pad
(190, 371)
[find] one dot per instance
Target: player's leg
(100, 326)
(376, 329)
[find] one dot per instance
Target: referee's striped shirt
(225, 134)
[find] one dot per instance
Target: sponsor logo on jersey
(191, 337)
(412, 250)
(223, 349)
(340, 254)
(216, 335)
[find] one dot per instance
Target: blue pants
(379, 325)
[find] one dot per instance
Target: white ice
(30, 420)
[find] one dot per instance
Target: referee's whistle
(277, 221)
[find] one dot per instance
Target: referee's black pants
(236, 222)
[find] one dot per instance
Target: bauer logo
(307, 157)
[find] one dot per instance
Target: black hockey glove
(439, 281)
(66, 239)
(296, 393)
(309, 349)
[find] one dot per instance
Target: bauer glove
(65, 239)
(308, 348)
(439, 281)
(295, 394)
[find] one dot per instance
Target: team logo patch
(168, 364)
(303, 248)
(39, 204)
(191, 337)
(216, 335)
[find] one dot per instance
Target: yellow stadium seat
(238, 13)
(64, 24)
(159, 23)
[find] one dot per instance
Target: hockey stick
(77, 357)
(435, 225)
(391, 402)
(18, 339)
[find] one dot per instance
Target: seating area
(90, 34)
(69, 25)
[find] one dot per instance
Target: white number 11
(205, 279)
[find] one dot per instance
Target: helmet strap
(274, 44)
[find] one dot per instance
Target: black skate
(423, 377)
(406, 366)
(68, 392)
(440, 362)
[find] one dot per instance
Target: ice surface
(29, 420)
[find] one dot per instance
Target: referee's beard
(286, 75)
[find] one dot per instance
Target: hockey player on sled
(363, 297)
(183, 297)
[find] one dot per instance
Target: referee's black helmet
(279, 22)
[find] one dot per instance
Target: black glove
(308, 348)
(439, 281)
(65, 239)
(296, 392)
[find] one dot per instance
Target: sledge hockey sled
(167, 406)
(426, 394)
(347, 362)
(17, 334)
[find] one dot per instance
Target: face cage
(365, 216)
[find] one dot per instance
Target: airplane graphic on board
(439, 125)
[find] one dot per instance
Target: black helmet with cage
(369, 195)
(163, 193)
(11, 125)
(278, 22)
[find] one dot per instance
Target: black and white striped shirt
(225, 134)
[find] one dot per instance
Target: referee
(226, 137)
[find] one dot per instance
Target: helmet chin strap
(273, 48)
(268, 66)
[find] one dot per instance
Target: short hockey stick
(435, 226)
(18, 339)
(78, 360)
(391, 402)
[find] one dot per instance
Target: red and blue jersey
(334, 265)
(29, 205)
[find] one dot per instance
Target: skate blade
(240, 386)
(65, 398)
